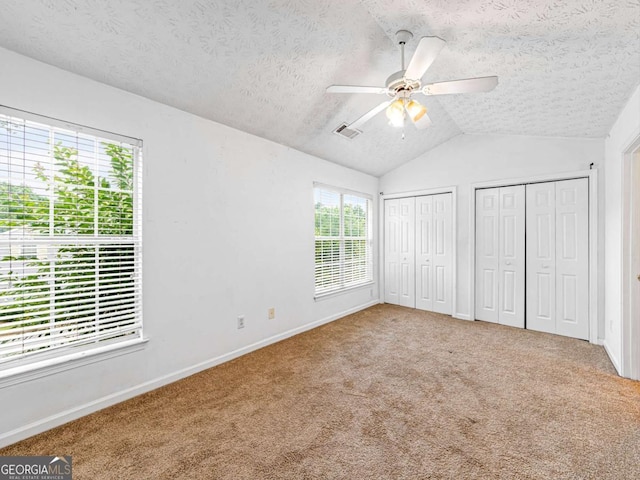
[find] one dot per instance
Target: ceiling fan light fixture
(395, 113)
(415, 110)
(397, 122)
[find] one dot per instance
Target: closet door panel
(541, 257)
(512, 256)
(399, 252)
(487, 254)
(424, 253)
(392, 251)
(572, 258)
(442, 253)
(407, 296)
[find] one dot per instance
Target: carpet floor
(388, 392)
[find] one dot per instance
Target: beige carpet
(388, 392)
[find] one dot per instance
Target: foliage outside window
(69, 239)
(343, 257)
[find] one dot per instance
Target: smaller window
(343, 240)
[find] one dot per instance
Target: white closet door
(424, 253)
(392, 251)
(572, 258)
(541, 257)
(442, 253)
(434, 253)
(512, 256)
(400, 252)
(487, 254)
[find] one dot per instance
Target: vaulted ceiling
(565, 68)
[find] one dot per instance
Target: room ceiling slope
(566, 68)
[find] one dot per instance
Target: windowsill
(342, 291)
(31, 371)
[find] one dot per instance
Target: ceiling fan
(403, 84)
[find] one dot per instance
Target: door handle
(507, 262)
(545, 266)
(639, 278)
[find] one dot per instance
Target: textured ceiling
(566, 67)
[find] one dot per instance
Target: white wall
(468, 159)
(622, 135)
(228, 230)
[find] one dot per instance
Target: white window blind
(70, 238)
(343, 240)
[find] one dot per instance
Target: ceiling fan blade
(370, 114)
(423, 122)
(356, 89)
(468, 85)
(427, 51)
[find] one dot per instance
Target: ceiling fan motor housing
(397, 84)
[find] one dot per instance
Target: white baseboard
(461, 316)
(71, 414)
(616, 363)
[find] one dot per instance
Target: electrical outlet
(240, 321)
(271, 313)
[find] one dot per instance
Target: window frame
(368, 238)
(34, 365)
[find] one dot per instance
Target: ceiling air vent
(348, 133)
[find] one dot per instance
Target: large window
(343, 240)
(70, 273)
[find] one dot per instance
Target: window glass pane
(115, 213)
(115, 166)
(355, 216)
(327, 213)
(327, 263)
(356, 262)
(24, 210)
(73, 210)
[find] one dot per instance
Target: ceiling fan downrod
(403, 37)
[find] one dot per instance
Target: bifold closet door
(399, 252)
(558, 257)
(500, 255)
(434, 253)
(541, 256)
